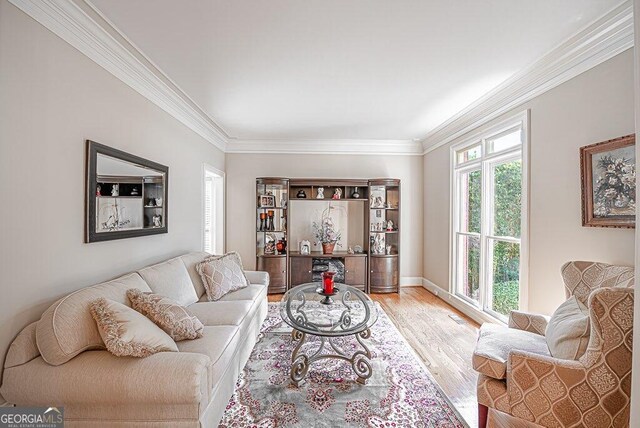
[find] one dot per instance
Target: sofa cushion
(568, 330)
(222, 275)
(67, 328)
(495, 342)
(252, 292)
(174, 319)
(219, 343)
(126, 332)
(222, 313)
(171, 279)
(190, 261)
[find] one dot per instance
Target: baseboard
(464, 307)
(410, 281)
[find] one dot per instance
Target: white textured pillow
(222, 275)
(126, 332)
(171, 279)
(568, 330)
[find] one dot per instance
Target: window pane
(208, 215)
(507, 203)
(506, 276)
(469, 268)
(505, 142)
(469, 154)
(470, 204)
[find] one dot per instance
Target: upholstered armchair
(520, 377)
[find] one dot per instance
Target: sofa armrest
(533, 323)
(101, 377)
(257, 277)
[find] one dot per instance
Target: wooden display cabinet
(272, 199)
(384, 235)
(375, 270)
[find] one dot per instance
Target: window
(213, 215)
(489, 213)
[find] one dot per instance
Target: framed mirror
(126, 195)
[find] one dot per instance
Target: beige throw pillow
(174, 319)
(126, 332)
(568, 330)
(222, 275)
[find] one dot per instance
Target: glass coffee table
(347, 312)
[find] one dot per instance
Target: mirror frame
(92, 151)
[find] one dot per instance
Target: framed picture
(267, 201)
(377, 198)
(608, 172)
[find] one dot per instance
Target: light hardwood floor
(444, 345)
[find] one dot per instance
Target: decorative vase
(327, 247)
(328, 282)
(355, 194)
(263, 220)
(270, 225)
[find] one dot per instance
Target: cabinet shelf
(320, 255)
(383, 231)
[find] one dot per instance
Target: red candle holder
(327, 282)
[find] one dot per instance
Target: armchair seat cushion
(495, 342)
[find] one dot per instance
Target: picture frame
(607, 171)
(267, 201)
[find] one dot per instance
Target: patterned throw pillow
(126, 332)
(174, 319)
(222, 275)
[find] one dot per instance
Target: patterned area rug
(400, 393)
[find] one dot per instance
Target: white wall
(593, 107)
(243, 169)
(635, 382)
(53, 98)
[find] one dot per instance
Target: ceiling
(335, 69)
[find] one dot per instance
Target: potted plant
(326, 233)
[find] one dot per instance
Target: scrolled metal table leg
(299, 362)
(360, 360)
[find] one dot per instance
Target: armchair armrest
(534, 323)
(540, 388)
(257, 277)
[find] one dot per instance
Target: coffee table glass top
(349, 311)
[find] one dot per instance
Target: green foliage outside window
(507, 220)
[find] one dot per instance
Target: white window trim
(206, 168)
(520, 119)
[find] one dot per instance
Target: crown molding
(599, 41)
(85, 28)
(319, 146)
(88, 31)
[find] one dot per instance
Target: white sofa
(60, 360)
